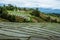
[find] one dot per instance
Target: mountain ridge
(49, 10)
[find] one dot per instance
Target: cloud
(55, 4)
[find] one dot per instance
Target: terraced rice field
(23, 14)
(37, 31)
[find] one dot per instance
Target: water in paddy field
(30, 31)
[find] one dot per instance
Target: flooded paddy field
(30, 31)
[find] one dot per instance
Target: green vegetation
(36, 12)
(3, 20)
(17, 14)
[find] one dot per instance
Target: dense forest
(10, 13)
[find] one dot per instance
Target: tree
(24, 9)
(12, 18)
(10, 7)
(19, 8)
(3, 12)
(55, 20)
(48, 19)
(36, 12)
(0, 10)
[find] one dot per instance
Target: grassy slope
(23, 14)
(3, 20)
(54, 17)
(26, 15)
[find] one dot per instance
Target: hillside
(26, 15)
(3, 20)
(16, 14)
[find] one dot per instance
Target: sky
(54, 4)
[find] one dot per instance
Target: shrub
(35, 12)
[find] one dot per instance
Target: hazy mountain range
(1, 4)
(50, 10)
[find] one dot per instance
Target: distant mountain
(1, 4)
(49, 10)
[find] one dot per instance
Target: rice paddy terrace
(23, 14)
(30, 31)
